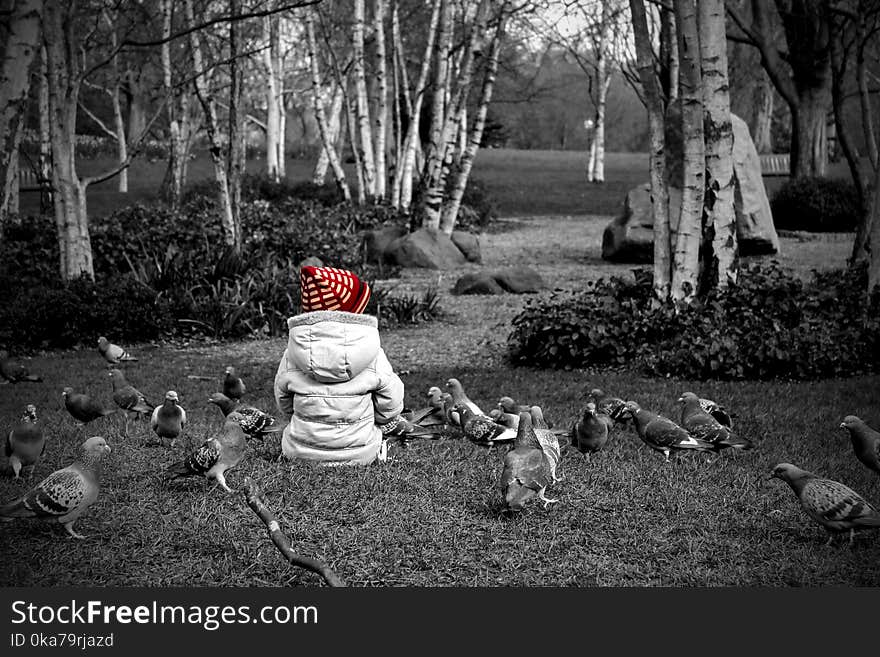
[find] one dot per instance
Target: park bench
(775, 164)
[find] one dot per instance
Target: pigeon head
(171, 396)
(496, 414)
(225, 403)
(96, 447)
(66, 392)
(454, 385)
(789, 473)
(632, 408)
(537, 417)
(230, 370)
(463, 411)
(688, 398)
(30, 413)
(116, 377)
(597, 393)
(525, 432)
(507, 405)
(435, 394)
(852, 422)
(590, 409)
(103, 343)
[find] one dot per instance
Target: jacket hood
(332, 345)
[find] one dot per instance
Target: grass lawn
(431, 516)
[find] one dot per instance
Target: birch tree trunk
(401, 195)
(721, 268)
(333, 130)
(69, 199)
(685, 269)
(669, 62)
(231, 233)
(450, 213)
(365, 140)
(596, 166)
(116, 103)
(762, 135)
(320, 115)
(45, 156)
(273, 98)
(382, 102)
(12, 173)
(659, 190)
(18, 49)
(236, 151)
(873, 245)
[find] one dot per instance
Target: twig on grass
(255, 500)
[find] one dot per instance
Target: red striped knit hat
(328, 288)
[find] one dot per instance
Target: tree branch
(255, 500)
(98, 121)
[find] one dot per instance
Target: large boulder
(629, 236)
(477, 283)
(426, 247)
(377, 241)
(468, 244)
(519, 280)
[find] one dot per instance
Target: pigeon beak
(680, 400)
(843, 425)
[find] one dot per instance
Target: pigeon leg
(666, 453)
(222, 481)
(69, 527)
(830, 538)
(546, 501)
(16, 465)
(852, 535)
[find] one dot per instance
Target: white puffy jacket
(335, 387)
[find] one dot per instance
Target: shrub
(399, 309)
(816, 205)
(769, 325)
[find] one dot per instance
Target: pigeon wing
(835, 505)
(57, 495)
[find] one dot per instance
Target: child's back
(334, 382)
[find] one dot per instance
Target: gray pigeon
(26, 443)
(169, 418)
(460, 397)
(82, 407)
(590, 434)
(662, 434)
(233, 386)
(865, 441)
(432, 414)
(113, 354)
(127, 397)
(548, 438)
(65, 494)
(215, 456)
(254, 422)
(13, 371)
(700, 424)
(526, 472)
(509, 420)
(508, 405)
(481, 429)
(836, 507)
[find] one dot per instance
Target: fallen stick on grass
(254, 498)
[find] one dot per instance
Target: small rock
(478, 283)
(468, 244)
(519, 280)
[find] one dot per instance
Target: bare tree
(381, 77)
(365, 140)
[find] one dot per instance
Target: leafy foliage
(816, 205)
(770, 325)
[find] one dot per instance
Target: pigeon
(613, 407)
(254, 422)
(216, 455)
(65, 494)
(169, 419)
(590, 433)
(82, 407)
(433, 414)
(662, 434)
(459, 396)
(233, 387)
(481, 429)
(112, 353)
(717, 411)
(12, 371)
(452, 416)
(865, 441)
(526, 471)
(509, 420)
(508, 405)
(26, 443)
(700, 424)
(126, 396)
(836, 507)
(400, 428)
(549, 440)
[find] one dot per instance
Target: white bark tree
(364, 142)
(273, 62)
(381, 77)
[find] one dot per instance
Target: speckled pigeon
(717, 411)
(233, 386)
(433, 414)
(65, 494)
(13, 371)
(662, 434)
(459, 397)
(216, 455)
(509, 420)
(169, 418)
(526, 472)
(254, 422)
(613, 407)
(481, 429)
(126, 396)
(548, 438)
(400, 428)
(836, 507)
(82, 407)
(700, 424)
(26, 443)
(112, 353)
(590, 433)
(865, 441)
